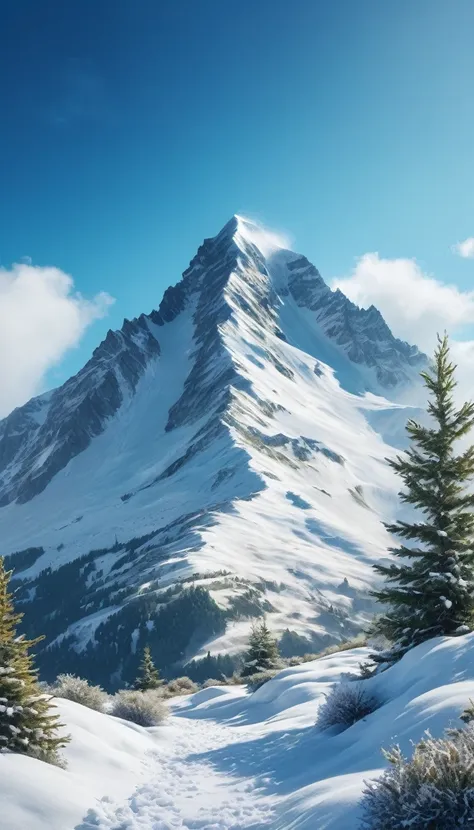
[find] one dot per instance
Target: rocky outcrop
(40, 438)
(362, 333)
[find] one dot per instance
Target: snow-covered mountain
(217, 458)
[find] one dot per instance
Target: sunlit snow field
(229, 760)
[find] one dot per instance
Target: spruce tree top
(429, 591)
(148, 676)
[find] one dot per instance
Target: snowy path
(182, 794)
(228, 760)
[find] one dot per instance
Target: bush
(348, 645)
(212, 682)
(292, 661)
(235, 680)
(49, 757)
(367, 669)
(144, 708)
(256, 681)
(346, 704)
(432, 791)
(181, 686)
(80, 691)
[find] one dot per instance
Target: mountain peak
(246, 272)
(267, 241)
(166, 459)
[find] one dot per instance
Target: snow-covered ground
(227, 760)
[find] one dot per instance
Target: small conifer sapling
(262, 653)
(148, 675)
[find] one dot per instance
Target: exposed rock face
(362, 333)
(40, 438)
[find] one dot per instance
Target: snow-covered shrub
(212, 682)
(52, 757)
(235, 680)
(345, 704)
(356, 642)
(293, 661)
(181, 686)
(290, 662)
(367, 668)
(256, 681)
(80, 691)
(144, 708)
(432, 791)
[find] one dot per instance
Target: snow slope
(235, 440)
(106, 757)
(229, 760)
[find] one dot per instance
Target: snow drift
(227, 759)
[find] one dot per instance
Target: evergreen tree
(430, 591)
(262, 653)
(148, 677)
(26, 722)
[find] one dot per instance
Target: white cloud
(41, 317)
(465, 248)
(415, 305)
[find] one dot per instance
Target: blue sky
(132, 130)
